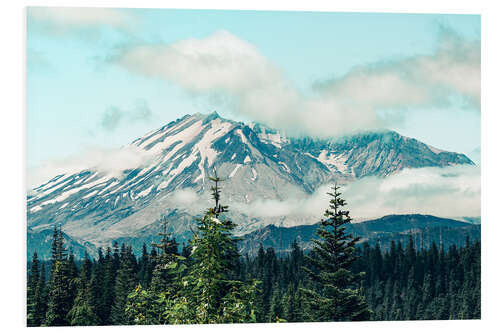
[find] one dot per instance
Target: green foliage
(336, 296)
(124, 285)
(59, 290)
(209, 292)
(211, 283)
(82, 313)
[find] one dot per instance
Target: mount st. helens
(176, 160)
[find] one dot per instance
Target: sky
(98, 78)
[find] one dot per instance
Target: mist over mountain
(166, 172)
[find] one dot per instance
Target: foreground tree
(82, 313)
(210, 293)
(36, 300)
(336, 295)
(148, 306)
(59, 295)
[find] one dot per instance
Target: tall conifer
(337, 296)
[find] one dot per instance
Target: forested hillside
(208, 281)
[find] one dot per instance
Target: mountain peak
(261, 163)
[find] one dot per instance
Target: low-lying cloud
(451, 191)
(234, 71)
(110, 161)
(184, 197)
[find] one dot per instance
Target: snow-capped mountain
(176, 160)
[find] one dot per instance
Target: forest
(208, 281)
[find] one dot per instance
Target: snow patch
(234, 171)
(434, 150)
(330, 159)
(217, 129)
(254, 177)
(144, 193)
(90, 194)
(72, 191)
(35, 209)
(247, 159)
(285, 166)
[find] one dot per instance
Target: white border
(12, 219)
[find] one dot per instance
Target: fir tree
(82, 313)
(59, 299)
(31, 297)
(164, 277)
(209, 294)
(337, 297)
(125, 284)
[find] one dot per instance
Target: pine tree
(59, 300)
(82, 313)
(147, 306)
(110, 264)
(96, 288)
(209, 293)
(276, 310)
(33, 281)
(338, 297)
(164, 277)
(124, 285)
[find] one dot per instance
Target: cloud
(110, 161)
(455, 68)
(184, 197)
(234, 71)
(141, 111)
(61, 20)
(113, 116)
(451, 191)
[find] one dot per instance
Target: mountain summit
(177, 159)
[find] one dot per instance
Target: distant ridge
(424, 228)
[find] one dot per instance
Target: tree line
(207, 281)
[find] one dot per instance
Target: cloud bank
(234, 71)
(110, 161)
(451, 191)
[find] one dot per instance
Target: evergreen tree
(209, 294)
(59, 298)
(96, 289)
(164, 277)
(31, 296)
(82, 313)
(125, 284)
(337, 297)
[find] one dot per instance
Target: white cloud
(184, 197)
(224, 65)
(110, 161)
(451, 191)
(63, 19)
(455, 68)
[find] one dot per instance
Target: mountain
(175, 161)
(41, 241)
(425, 229)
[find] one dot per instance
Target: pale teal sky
(72, 78)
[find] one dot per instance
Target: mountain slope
(260, 163)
